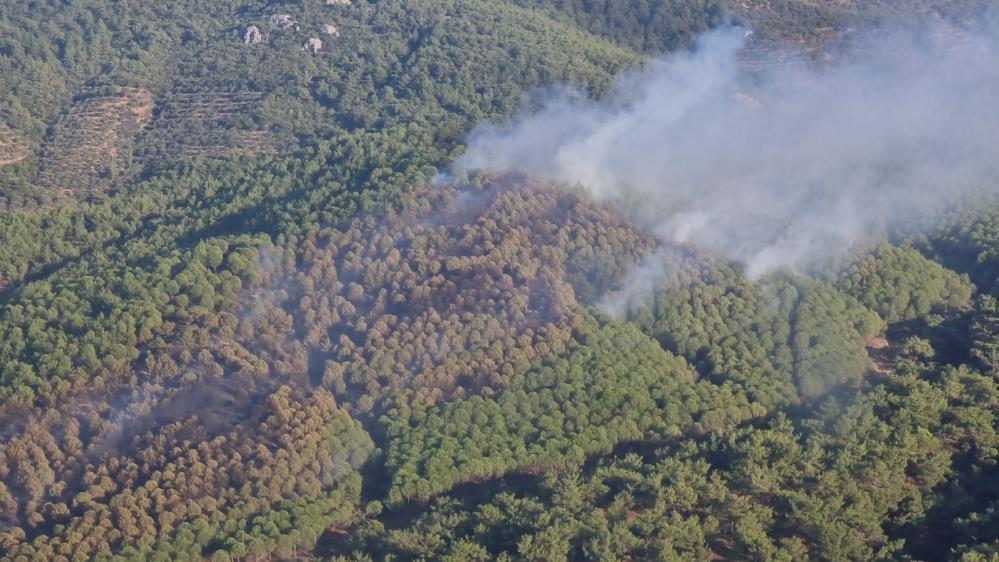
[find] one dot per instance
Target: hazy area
(256, 305)
(779, 169)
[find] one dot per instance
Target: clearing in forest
(13, 147)
(213, 124)
(92, 144)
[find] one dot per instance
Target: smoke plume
(781, 169)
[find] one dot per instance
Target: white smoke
(776, 170)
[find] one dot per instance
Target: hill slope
(243, 315)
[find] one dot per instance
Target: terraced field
(212, 124)
(91, 144)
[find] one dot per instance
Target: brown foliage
(451, 295)
(427, 305)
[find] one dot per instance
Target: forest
(247, 314)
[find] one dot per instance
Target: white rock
(313, 45)
(281, 21)
(252, 35)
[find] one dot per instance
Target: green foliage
(651, 26)
(780, 339)
(900, 284)
(853, 480)
(616, 385)
(227, 279)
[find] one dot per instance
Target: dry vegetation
(213, 124)
(451, 296)
(247, 143)
(759, 57)
(211, 360)
(91, 145)
(13, 147)
(456, 301)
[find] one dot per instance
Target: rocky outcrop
(252, 35)
(331, 30)
(281, 21)
(313, 45)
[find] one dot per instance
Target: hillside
(249, 312)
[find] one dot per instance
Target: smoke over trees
(780, 169)
(708, 309)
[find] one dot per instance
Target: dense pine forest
(247, 314)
